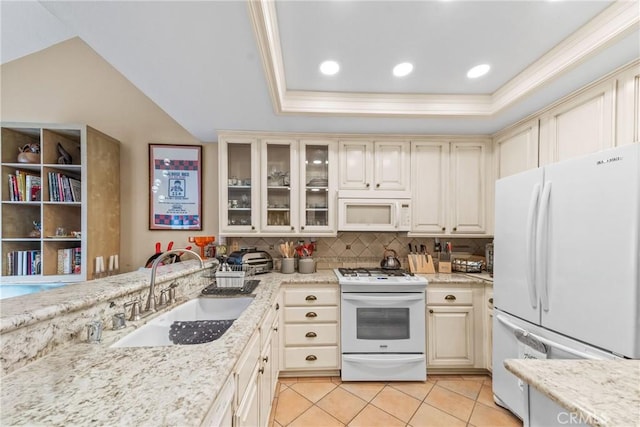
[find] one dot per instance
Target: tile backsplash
(355, 249)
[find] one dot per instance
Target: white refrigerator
(566, 265)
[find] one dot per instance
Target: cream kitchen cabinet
(256, 372)
(584, 124)
(488, 327)
(453, 197)
(277, 185)
(628, 106)
(516, 150)
(374, 165)
(318, 179)
(311, 330)
(238, 174)
(455, 327)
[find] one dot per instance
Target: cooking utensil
(390, 260)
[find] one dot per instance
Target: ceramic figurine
(65, 157)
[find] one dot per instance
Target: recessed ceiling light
(329, 68)
(402, 69)
(478, 71)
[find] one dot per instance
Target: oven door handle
(383, 298)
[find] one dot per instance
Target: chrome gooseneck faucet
(151, 300)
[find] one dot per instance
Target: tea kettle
(390, 260)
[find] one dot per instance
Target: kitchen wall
(71, 83)
(362, 249)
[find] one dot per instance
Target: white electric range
(383, 325)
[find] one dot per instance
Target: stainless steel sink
(156, 332)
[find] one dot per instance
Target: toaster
(258, 261)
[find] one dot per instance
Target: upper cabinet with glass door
(279, 189)
(317, 176)
(239, 195)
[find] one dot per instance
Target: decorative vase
(27, 157)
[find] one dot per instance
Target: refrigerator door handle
(541, 246)
(547, 342)
(530, 243)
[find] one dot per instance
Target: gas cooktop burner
(373, 272)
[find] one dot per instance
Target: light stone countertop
(82, 383)
(602, 392)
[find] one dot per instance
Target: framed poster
(175, 181)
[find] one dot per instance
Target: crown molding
(615, 22)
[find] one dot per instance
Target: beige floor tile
(486, 396)
(443, 377)
(483, 416)
(419, 390)
(428, 416)
(290, 406)
(480, 378)
(396, 403)
(374, 417)
(342, 405)
(336, 380)
(315, 417)
(288, 380)
(313, 391)
(450, 402)
(469, 389)
(315, 379)
(364, 390)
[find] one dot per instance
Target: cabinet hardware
(253, 227)
(311, 314)
(302, 227)
(311, 298)
(265, 359)
(444, 228)
(490, 300)
(450, 297)
(261, 370)
(368, 185)
(377, 185)
(431, 311)
(277, 306)
(311, 358)
(275, 329)
(455, 228)
(311, 335)
(292, 228)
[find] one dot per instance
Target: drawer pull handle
(311, 358)
(265, 359)
(450, 297)
(311, 298)
(275, 329)
(261, 370)
(490, 300)
(277, 306)
(311, 314)
(311, 335)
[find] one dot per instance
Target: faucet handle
(135, 309)
(163, 297)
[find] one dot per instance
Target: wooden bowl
(26, 157)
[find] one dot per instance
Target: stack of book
(24, 187)
(24, 263)
(63, 188)
(69, 261)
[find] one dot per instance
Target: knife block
(444, 266)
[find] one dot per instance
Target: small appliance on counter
(259, 261)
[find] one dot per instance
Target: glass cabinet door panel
(316, 193)
(278, 185)
(239, 184)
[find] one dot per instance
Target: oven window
(382, 323)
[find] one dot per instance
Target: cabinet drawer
(247, 362)
(311, 297)
(310, 314)
(323, 334)
(311, 357)
(450, 296)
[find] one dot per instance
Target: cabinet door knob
(292, 228)
(302, 227)
(261, 370)
(265, 359)
(455, 228)
(450, 297)
(277, 306)
(311, 314)
(378, 185)
(490, 300)
(444, 228)
(431, 311)
(275, 329)
(311, 335)
(311, 298)
(253, 227)
(311, 358)
(368, 185)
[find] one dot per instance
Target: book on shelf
(22, 185)
(24, 263)
(69, 261)
(63, 188)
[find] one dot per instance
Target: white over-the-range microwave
(362, 214)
